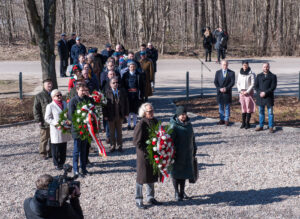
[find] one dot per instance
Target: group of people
(264, 83)
(220, 38)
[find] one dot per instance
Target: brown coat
(109, 110)
(147, 66)
(140, 136)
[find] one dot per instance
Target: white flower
(154, 139)
(163, 137)
(78, 111)
(157, 158)
(164, 161)
(169, 153)
(163, 146)
(65, 115)
(83, 114)
(169, 144)
(78, 120)
(154, 148)
(159, 166)
(165, 155)
(148, 142)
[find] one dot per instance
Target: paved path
(172, 73)
(243, 174)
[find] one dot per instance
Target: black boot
(243, 120)
(181, 185)
(248, 121)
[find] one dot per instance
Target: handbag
(195, 172)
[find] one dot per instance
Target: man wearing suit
(224, 81)
(63, 54)
(70, 43)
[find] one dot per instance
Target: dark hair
(113, 78)
(47, 80)
(143, 45)
(80, 85)
(43, 181)
(131, 53)
(245, 62)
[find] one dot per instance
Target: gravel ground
(243, 174)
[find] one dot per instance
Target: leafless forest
(255, 27)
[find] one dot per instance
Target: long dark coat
(265, 84)
(185, 149)
(62, 48)
(228, 83)
(140, 136)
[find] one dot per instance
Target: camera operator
(37, 208)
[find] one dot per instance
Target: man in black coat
(153, 55)
(224, 81)
(70, 43)
(107, 52)
(77, 49)
(37, 208)
(63, 54)
(265, 84)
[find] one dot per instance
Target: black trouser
(63, 66)
(88, 151)
(207, 54)
(181, 183)
(221, 52)
(59, 153)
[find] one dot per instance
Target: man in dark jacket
(114, 112)
(224, 81)
(63, 54)
(137, 55)
(77, 49)
(107, 52)
(41, 101)
(79, 145)
(37, 208)
(265, 85)
(153, 55)
(221, 44)
(70, 43)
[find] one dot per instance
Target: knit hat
(180, 110)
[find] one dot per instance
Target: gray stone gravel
(243, 174)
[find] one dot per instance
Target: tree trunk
(73, 16)
(212, 14)
(140, 20)
(45, 35)
(265, 29)
(196, 18)
(222, 16)
(203, 16)
(280, 26)
(64, 20)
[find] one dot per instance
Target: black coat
(62, 48)
(265, 83)
(36, 208)
(207, 42)
(228, 83)
(109, 110)
(143, 168)
(153, 55)
(76, 51)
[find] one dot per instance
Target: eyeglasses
(58, 95)
(115, 83)
(150, 111)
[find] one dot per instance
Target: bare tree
(45, 35)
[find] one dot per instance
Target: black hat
(180, 110)
(47, 80)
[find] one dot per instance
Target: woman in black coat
(144, 168)
(207, 43)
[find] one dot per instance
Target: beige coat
(52, 117)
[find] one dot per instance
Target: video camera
(62, 186)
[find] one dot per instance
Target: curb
(17, 124)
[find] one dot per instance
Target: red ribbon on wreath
(91, 116)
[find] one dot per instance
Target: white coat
(52, 117)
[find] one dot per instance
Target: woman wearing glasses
(58, 139)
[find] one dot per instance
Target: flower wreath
(63, 123)
(160, 148)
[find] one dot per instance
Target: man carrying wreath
(79, 145)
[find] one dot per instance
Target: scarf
(245, 72)
(59, 103)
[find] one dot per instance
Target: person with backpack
(221, 43)
(207, 43)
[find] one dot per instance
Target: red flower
(157, 161)
(155, 156)
(84, 126)
(81, 133)
(80, 126)
(161, 157)
(153, 142)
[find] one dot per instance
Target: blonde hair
(142, 109)
(54, 92)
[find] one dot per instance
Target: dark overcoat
(228, 83)
(110, 110)
(76, 50)
(265, 83)
(62, 48)
(41, 100)
(185, 149)
(153, 55)
(140, 136)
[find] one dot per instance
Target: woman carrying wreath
(58, 139)
(144, 168)
(185, 151)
